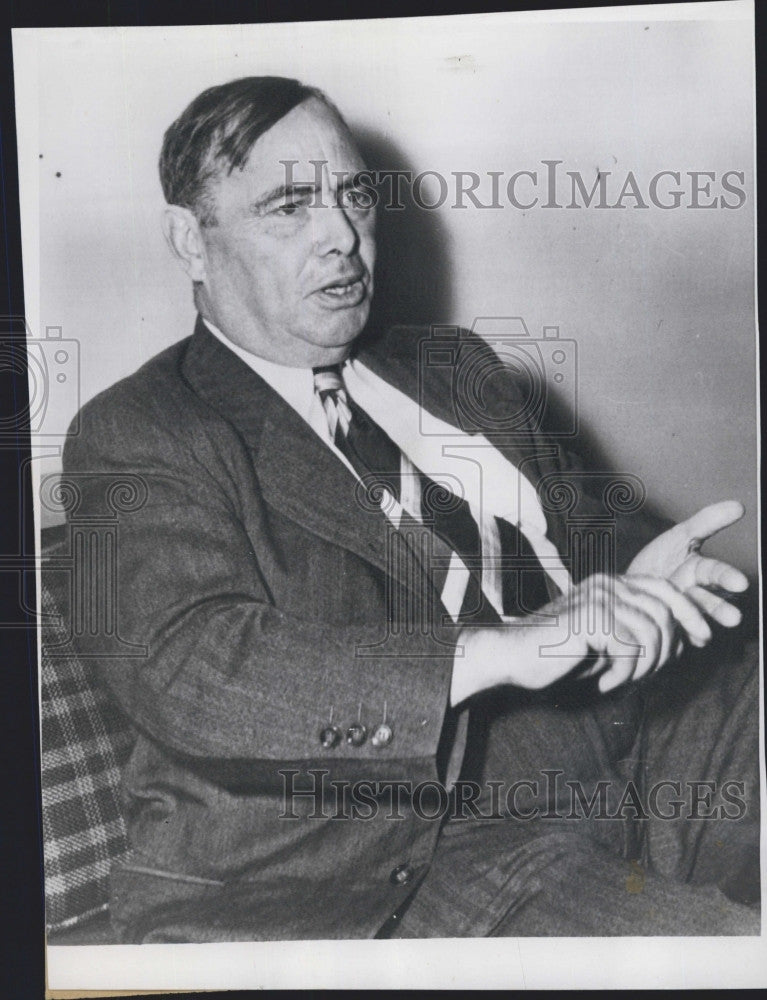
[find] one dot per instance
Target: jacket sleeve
(226, 674)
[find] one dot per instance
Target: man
(326, 597)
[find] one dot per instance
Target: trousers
(635, 813)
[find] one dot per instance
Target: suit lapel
(298, 475)
(306, 481)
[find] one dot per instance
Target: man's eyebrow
(283, 191)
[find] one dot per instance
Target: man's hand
(675, 556)
(618, 627)
(621, 628)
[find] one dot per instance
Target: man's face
(289, 273)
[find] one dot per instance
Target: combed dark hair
(217, 131)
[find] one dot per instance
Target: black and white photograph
(393, 412)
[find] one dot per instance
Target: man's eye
(356, 198)
(289, 208)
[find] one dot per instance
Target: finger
(598, 593)
(620, 670)
(684, 610)
(717, 607)
(709, 520)
(649, 634)
(622, 663)
(707, 572)
(628, 635)
(591, 608)
(633, 646)
(592, 618)
(599, 664)
(651, 604)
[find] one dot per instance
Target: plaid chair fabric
(84, 743)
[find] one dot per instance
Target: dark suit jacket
(267, 597)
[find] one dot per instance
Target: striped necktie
(413, 502)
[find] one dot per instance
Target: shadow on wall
(413, 284)
(413, 279)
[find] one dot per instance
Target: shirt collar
(295, 385)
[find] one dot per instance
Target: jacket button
(401, 875)
(356, 734)
(383, 736)
(330, 736)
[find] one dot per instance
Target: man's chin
(339, 329)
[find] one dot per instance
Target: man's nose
(334, 231)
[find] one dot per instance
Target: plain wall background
(660, 303)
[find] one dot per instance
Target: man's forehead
(312, 132)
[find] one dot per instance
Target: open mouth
(350, 291)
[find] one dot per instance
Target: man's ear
(182, 234)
